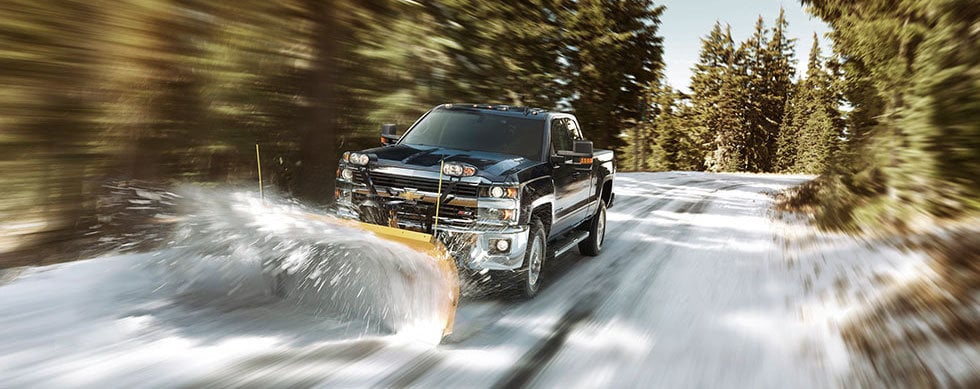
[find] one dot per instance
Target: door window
(574, 130)
(561, 139)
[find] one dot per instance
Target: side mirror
(388, 136)
(583, 147)
(581, 155)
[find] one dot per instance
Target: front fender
(535, 193)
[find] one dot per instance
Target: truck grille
(417, 216)
(422, 184)
(449, 215)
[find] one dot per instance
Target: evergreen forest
(97, 94)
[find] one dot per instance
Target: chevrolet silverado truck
(504, 188)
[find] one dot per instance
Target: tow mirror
(388, 136)
(581, 156)
(583, 147)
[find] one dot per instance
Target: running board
(566, 243)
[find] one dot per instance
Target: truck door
(591, 180)
(571, 184)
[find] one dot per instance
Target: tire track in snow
(408, 374)
(636, 280)
(554, 274)
(649, 273)
(284, 368)
(646, 199)
(415, 369)
(585, 306)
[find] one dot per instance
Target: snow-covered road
(696, 287)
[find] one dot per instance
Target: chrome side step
(569, 241)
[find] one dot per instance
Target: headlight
(359, 159)
(347, 174)
(498, 214)
(501, 192)
(457, 169)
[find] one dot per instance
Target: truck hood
(492, 166)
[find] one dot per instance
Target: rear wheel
(529, 276)
(597, 233)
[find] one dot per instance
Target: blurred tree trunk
(318, 150)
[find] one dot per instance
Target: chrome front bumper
(479, 254)
(471, 246)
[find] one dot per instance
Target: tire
(597, 233)
(528, 280)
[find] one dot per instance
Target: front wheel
(597, 233)
(529, 276)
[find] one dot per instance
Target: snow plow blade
(431, 247)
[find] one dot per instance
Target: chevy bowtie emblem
(411, 195)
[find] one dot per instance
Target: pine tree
(800, 107)
(787, 144)
(779, 71)
(665, 139)
(755, 72)
(812, 124)
(500, 52)
(769, 62)
(677, 144)
(640, 137)
(692, 146)
(717, 93)
(733, 149)
(612, 52)
(913, 134)
(665, 145)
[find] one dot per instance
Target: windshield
(479, 131)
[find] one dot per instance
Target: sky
(685, 22)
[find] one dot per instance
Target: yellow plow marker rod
(258, 164)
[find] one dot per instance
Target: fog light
(502, 245)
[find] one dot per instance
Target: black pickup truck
(514, 186)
